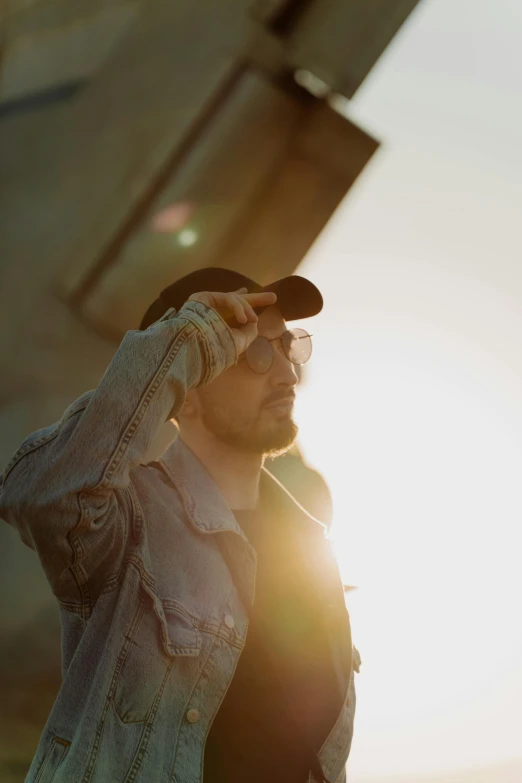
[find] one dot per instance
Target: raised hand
(237, 310)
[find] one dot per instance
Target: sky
(412, 406)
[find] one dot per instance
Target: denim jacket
(153, 575)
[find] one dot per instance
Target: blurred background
(374, 146)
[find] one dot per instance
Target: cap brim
(297, 297)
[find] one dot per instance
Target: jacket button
(193, 716)
(229, 621)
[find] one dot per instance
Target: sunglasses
(296, 345)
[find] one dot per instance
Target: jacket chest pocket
(156, 637)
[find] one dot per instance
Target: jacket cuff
(222, 352)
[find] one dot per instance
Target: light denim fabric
(152, 573)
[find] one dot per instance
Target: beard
(249, 434)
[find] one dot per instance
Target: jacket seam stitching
(93, 757)
(76, 566)
(32, 445)
(213, 320)
(137, 514)
(153, 387)
(24, 451)
(183, 712)
(210, 363)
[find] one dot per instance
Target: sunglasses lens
(260, 355)
(297, 345)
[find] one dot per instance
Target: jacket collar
(206, 506)
(209, 512)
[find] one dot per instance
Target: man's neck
(235, 473)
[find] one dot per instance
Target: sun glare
(423, 462)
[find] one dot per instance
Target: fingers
(243, 310)
(244, 336)
(238, 307)
(258, 300)
(242, 305)
(264, 299)
(249, 311)
(238, 303)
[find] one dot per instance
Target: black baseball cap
(297, 297)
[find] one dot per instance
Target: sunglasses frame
(275, 339)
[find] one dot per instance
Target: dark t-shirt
(282, 701)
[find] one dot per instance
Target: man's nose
(283, 371)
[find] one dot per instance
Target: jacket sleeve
(67, 489)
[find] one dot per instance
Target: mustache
(276, 397)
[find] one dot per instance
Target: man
(161, 569)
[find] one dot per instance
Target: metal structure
(138, 104)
